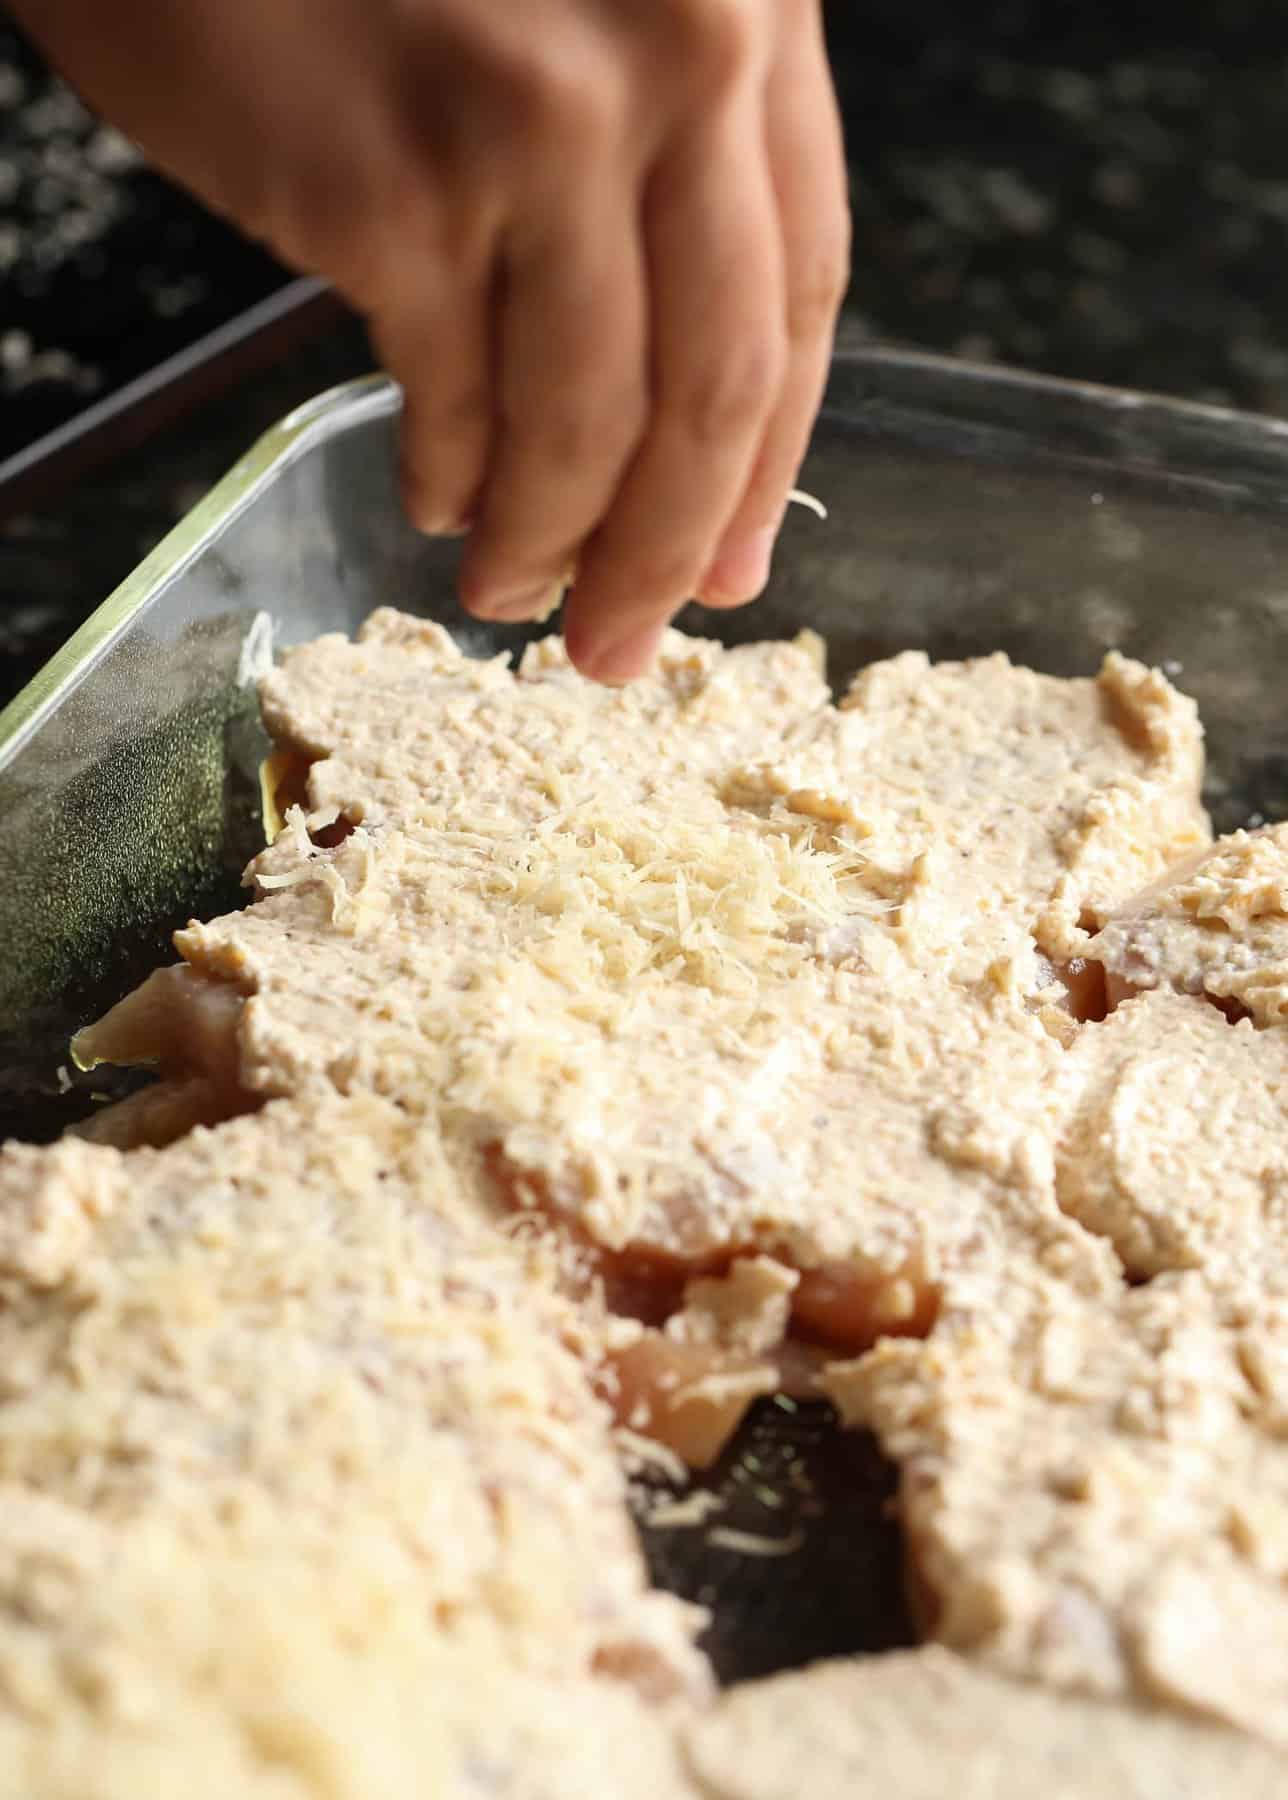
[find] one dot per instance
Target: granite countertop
(1105, 199)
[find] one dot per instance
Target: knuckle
(446, 428)
(670, 571)
(818, 290)
(570, 95)
(565, 436)
(586, 426)
(590, 109)
(464, 411)
(719, 40)
(733, 391)
(333, 223)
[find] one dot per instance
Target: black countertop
(1103, 197)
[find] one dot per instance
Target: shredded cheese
(750, 1543)
(681, 1515)
(639, 1452)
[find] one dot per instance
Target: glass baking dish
(969, 510)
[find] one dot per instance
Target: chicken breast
(590, 1056)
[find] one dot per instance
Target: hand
(600, 243)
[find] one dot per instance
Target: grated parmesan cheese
(750, 1543)
(683, 1515)
(799, 498)
(640, 1453)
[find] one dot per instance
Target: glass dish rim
(1220, 435)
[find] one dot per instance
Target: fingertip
(432, 524)
(439, 356)
(614, 661)
(739, 571)
(427, 514)
(533, 603)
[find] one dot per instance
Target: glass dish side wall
(969, 511)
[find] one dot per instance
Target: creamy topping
(633, 1054)
(1215, 925)
(922, 1724)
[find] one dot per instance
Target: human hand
(600, 244)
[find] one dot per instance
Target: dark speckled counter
(1097, 196)
(1095, 192)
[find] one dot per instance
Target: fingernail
(428, 516)
(741, 568)
(521, 603)
(624, 658)
(428, 526)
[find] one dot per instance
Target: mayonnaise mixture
(595, 1061)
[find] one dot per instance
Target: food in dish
(588, 1064)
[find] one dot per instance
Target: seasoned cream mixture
(588, 1064)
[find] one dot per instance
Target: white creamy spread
(591, 1056)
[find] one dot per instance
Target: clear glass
(969, 510)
